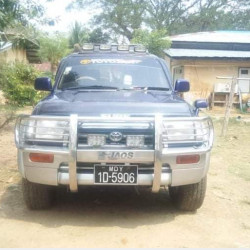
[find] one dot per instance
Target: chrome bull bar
(71, 138)
(73, 153)
(158, 153)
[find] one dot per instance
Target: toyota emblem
(115, 136)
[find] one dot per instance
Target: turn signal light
(45, 158)
(187, 159)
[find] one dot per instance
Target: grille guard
(68, 142)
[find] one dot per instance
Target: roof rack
(88, 47)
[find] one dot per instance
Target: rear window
(114, 72)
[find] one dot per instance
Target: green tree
(18, 19)
(98, 36)
(167, 14)
(53, 48)
(217, 15)
(123, 17)
(17, 11)
(78, 35)
(154, 40)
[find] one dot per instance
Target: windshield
(116, 73)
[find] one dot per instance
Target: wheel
(189, 197)
(37, 196)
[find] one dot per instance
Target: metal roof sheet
(199, 53)
(214, 36)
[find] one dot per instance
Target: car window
(118, 73)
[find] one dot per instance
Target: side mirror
(182, 85)
(200, 104)
(43, 83)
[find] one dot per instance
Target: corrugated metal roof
(214, 36)
(5, 46)
(201, 53)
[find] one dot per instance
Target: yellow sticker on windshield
(85, 61)
(109, 61)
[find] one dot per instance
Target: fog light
(187, 159)
(88, 46)
(135, 141)
(45, 158)
(96, 140)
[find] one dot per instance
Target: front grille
(147, 133)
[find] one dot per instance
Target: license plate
(116, 174)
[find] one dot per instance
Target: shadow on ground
(93, 206)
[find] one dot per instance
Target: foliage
(79, 35)
(120, 17)
(124, 17)
(17, 11)
(98, 36)
(21, 37)
(17, 83)
(17, 22)
(53, 48)
(7, 114)
(167, 14)
(154, 41)
(216, 15)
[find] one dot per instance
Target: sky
(56, 9)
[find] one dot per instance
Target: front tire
(37, 196)
(189, 197)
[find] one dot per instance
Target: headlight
(44, 131)
(55, 130)
(185, 132)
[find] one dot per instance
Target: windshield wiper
(157, 88)
(147, 88)
(90, 87)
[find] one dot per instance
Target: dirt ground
(111, 217)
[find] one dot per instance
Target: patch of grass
(246, 202)
(241, 169)
(7, 108)
(234, 148)
(7, 114)
(217, 188)
(245, 226)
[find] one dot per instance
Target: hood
(95, 103)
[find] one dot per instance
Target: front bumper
(162, 161)
(54, 173)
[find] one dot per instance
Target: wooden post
(212, 102)
(228, 107)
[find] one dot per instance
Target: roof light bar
(105, 47)
(140, 48)
(114, 47)
(88, 46)
(123, 47)
(131, 48)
